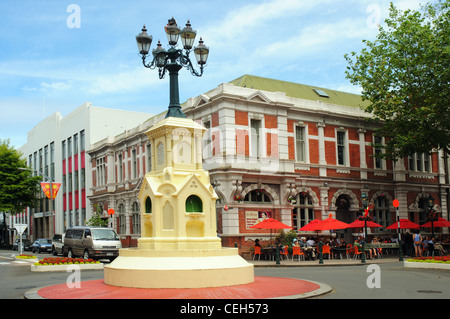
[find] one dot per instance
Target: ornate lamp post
(365, 217)
(173, 59)
(432, 216)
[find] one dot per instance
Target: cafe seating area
(330, 250)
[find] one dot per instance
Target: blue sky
(47, 65)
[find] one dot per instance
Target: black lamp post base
(175, 111)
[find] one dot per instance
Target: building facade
(56, 149)
(278, 149)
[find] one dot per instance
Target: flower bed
(434, 259)
(26, 258)
(64, 264)
(436, 262)
(23, 256)
(53, 261)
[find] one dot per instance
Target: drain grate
(429, 291)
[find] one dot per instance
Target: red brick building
(286, 150)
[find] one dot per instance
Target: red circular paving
(261, 288)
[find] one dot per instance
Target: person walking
(409, 244)
(418, 244)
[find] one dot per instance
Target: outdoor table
(339, 251)
(268, 252)
(391, 246)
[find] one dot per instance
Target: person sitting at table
(438, 246)
(295, 243)
(257, 243)
(374, 251)
(302, 242)
(430, 246)
(310, 242)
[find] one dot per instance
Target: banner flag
(46, 189)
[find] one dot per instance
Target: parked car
(57, 244)
(26, 244)
(42, 244)
(91, 242)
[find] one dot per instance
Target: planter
(30, 260)
(425, 265)
(64, 268)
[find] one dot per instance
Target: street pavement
(384, 278)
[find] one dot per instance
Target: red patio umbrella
(312, 225)
(404, 224)
(360, 224)
(441, 222)
(270, 223)
(331, 223)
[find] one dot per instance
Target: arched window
(303, 212)
(148, 205)
(136, 219)
(194, 204)
(257, 196)
(122, 219)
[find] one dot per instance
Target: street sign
(395, 203)
(20, 228)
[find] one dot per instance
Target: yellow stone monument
(179, 247)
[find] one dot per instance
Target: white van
(91, 242)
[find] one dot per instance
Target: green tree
(18, 188)
(405, 75)
(96, 219)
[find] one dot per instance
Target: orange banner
(46, 189)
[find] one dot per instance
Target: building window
(378, 161)
(341, 147)
(303, 212)
(46, 160)
(63, 147)
(120, 169)
(194, 204)
(255, 126)
(122, 220)
(100, 169)
(381, 213)
(82, 141)
(136, 218)
(83, 178)
(149, 158)
(300, 144)
(257, 196)
(134, 163)
(75, 144)
(69, 147)
(419, 162)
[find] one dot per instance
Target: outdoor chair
(285, 252)
(349, 250)
(326, 250)
(357, 253)
(296, 251)
(257, 252)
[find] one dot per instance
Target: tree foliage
(18, 188)
(405, 75)
(96, 219)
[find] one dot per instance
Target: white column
(322, 160)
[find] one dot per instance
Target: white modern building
(56, 148)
